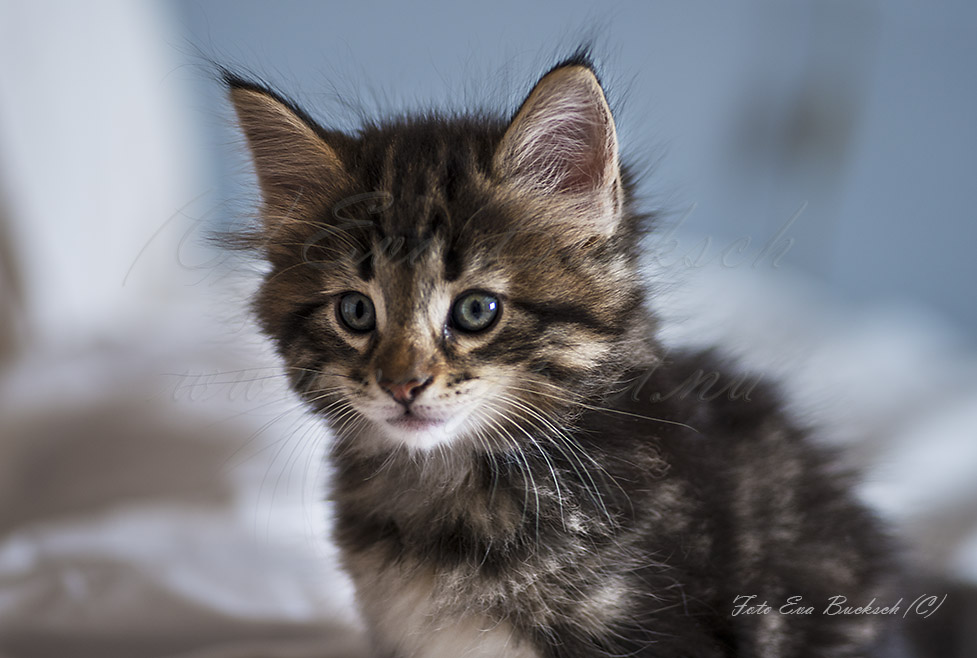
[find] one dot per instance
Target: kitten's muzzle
(404, 392)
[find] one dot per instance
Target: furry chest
(412, 615)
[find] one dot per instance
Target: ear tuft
(562, 142)
(295, 166)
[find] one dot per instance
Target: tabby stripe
(453, 264)
(365, 266)
(295, 324)
(566, 313)
(510, 345)
(554, 371)
(302, 379)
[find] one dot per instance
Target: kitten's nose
(404, 392)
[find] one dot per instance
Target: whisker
(593, 407)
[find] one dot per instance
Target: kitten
(459, 298)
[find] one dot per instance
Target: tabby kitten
(459, 298)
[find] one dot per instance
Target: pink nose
(404, 392)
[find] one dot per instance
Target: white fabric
(150, 513)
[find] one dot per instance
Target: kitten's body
(702, 503)
(507, 487)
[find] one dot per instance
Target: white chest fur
(407, 619)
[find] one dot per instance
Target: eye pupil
(475, 311)
(356, 312)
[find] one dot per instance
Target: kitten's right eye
(356, 312)
(475, 310)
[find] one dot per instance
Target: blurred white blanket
(145, 512)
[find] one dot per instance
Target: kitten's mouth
(413, 422)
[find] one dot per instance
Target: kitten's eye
(475, 311)
(357, 313)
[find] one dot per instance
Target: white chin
(422, 436)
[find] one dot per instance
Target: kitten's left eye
(356, 312)
(475, 311)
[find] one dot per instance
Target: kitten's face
(440, 282)
(417, 346)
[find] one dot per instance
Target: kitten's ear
(563, 142)
(297, 170)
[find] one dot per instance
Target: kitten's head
(441, 280)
